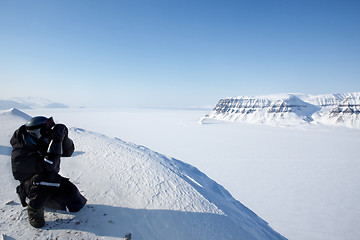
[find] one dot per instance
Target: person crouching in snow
(35, 159)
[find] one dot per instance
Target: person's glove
(59, 132)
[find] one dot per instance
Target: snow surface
(129, 188)
(303, 180)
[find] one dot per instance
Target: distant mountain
(290, 109)
(8, 104)
(56, 105)
(29, 102)
(346, 113)
(328, 99)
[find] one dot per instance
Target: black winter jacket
(30, 157)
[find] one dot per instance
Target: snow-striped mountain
(28, 103)
(129, 188)
(290, 109)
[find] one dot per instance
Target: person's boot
(36, 217)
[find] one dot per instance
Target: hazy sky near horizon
(175, 53)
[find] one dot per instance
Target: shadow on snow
(5, 150)
(110, 221)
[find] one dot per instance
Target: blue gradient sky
(177, 53)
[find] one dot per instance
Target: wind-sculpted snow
(290, 109)
(131, 188)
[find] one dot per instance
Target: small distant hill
(14, 114)
(28, 103)
(56, 105)
(8, 104)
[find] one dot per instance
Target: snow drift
(129, 188)
(290, 109)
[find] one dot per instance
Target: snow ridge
(290, 109)
(14, 113)
(152, 181)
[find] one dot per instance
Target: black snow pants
(52, 191)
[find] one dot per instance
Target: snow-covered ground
(304, 181)
(130, 188)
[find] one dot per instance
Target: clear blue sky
(177, 52)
